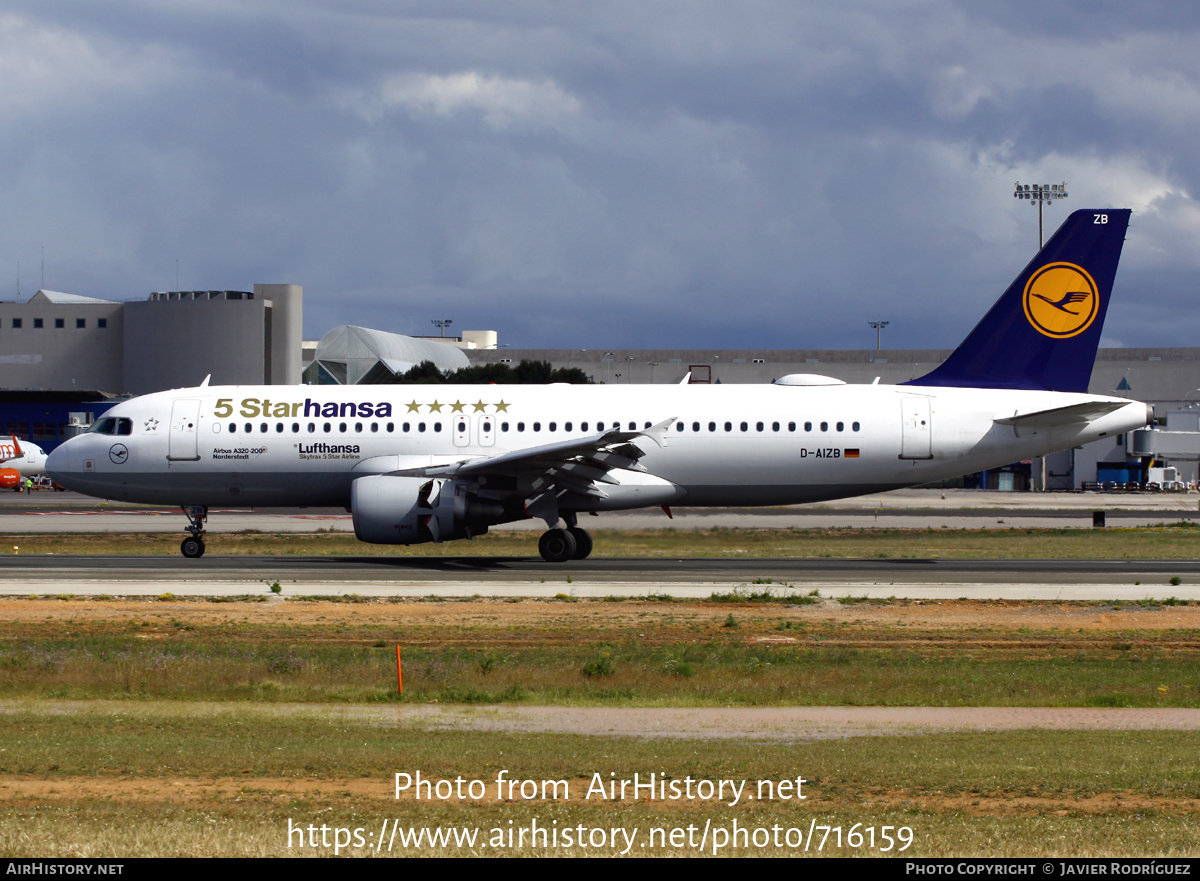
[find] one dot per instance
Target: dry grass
(1174, 541)
(637, 652)
(154, 780)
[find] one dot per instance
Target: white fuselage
(727, 445)
(30, 463)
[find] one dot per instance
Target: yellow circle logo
(1061, 300)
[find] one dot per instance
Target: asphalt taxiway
(600, 577)
(1125, 580)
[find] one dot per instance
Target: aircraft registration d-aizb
(432, 463)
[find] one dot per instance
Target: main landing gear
(193, 545)
(560, 545)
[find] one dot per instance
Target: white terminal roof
(60, 299)
(353, 352)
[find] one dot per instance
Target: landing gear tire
(557, 545)
(192, 547)
(583, 543)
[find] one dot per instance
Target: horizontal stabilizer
(1062, 417)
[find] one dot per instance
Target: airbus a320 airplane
(19, 461)
(432, 463)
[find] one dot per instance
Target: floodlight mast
(879, 326)
(442, 324)
(1040, 194)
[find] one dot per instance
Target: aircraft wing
(545, 473)
(1062, 417)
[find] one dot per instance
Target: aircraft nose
(61, 463)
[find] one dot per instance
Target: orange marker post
(399, 674)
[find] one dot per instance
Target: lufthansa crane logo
(1061, 300)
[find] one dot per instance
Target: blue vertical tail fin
(1044, 331)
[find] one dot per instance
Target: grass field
(202, 779)
(730, 651)
(170, 727)
(1179, 540)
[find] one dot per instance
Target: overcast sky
(621, 174)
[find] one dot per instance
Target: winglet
(1044, 330)
(658, 431)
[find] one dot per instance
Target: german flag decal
(850, 454)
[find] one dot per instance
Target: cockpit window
(113, 425)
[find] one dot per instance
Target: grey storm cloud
(586, 175)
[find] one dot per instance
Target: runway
(215, 575)
(1124, 580)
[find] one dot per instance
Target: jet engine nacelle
(411, 510)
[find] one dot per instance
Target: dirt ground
(203, 793)
(467, 621)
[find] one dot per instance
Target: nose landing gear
(193, 545)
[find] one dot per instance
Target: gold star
(435, 407)
(502, 406)
(414, 407)
(479, 407)
(456, 407)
